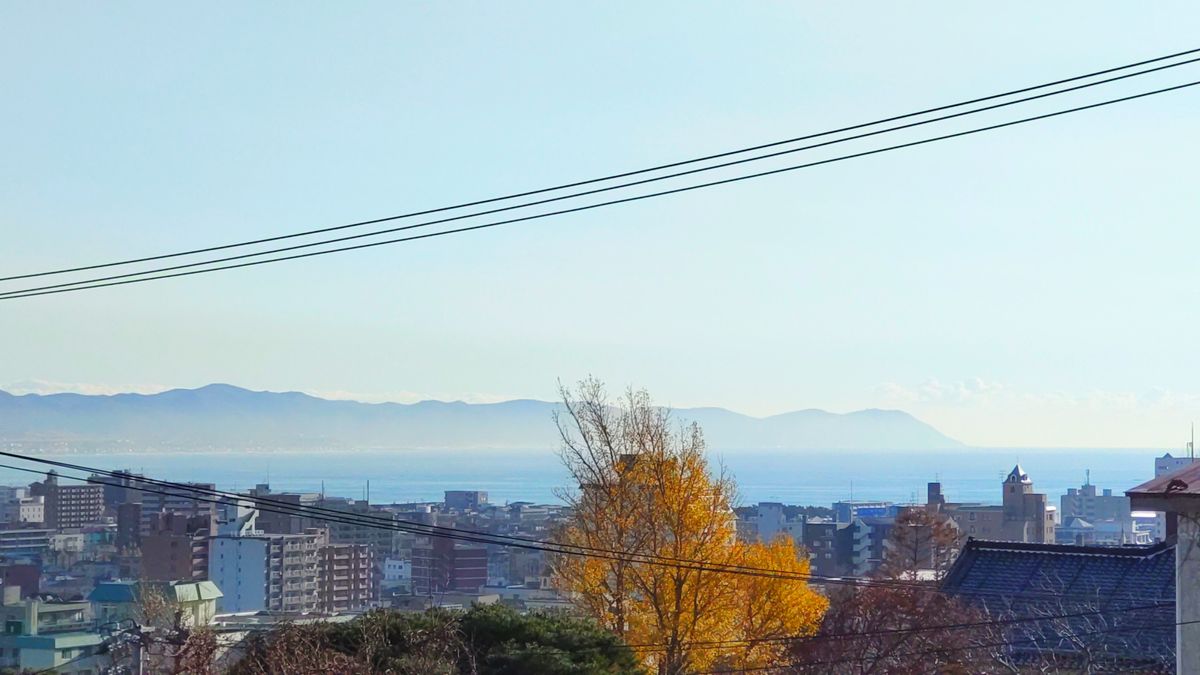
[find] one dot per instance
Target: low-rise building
(42, 636)
(115, 601)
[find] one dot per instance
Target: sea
(804, 477)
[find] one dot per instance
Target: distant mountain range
(221, 416)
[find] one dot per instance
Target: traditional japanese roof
(1122, 599)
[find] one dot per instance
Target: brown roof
(1180, 489)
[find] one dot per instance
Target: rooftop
(1098, 583)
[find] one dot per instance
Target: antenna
(1192, 444)
(1087, 476)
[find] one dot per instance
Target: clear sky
(1034, 286)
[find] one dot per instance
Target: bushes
(487, 640)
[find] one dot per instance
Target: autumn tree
(922, 540)
(648, 497)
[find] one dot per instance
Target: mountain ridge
(228, 416)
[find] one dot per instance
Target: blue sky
(1034, 286)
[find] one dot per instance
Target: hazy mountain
(224, 416)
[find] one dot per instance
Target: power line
(174, 489)
(27, 293)
(414, 527)
(619, 175)
(256, 254)
(949, 650)
(823, 637)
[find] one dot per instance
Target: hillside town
(77, 557)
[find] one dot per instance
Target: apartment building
(346, 578)
(23, 509)
(465, 500)
(440, 564)
(277, 572)
(69, 506)
(177, 548)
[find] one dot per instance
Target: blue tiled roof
(1023, 580)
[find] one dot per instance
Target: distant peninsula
(225, 417)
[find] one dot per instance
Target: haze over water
(794, 477)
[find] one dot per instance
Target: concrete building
(25, 543)
(69, 506)
(847, 510)
(346, 578)
(1024, 515)
(1098, 519)
(829, 545)
(767, 522)
(26, 509)
(465, 500)
(42, 636)
(277, 572)
(177, 548)
(440, 564)
(170, 500)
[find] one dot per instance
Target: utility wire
(96, 281)
(413, 527)
(174, 489)
(32, 292)
(608, 177)
(949, 650)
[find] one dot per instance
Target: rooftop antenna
(1192, 444)
(368, 499)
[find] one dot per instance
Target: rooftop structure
(1098, 584)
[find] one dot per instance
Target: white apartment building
(277, 572)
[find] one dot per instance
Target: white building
(239, 566)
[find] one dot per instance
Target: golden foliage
(647, 495)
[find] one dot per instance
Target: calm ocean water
(796, 477)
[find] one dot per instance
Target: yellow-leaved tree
(660, 526)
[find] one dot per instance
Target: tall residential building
(1024, 515)
(69, 506)
(346, 578)
(277, 572)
